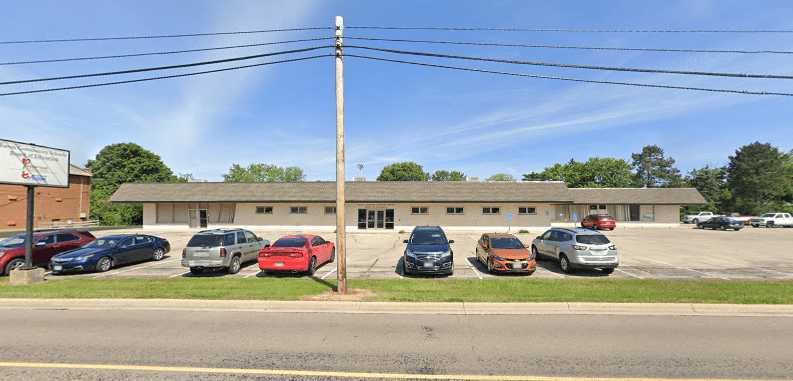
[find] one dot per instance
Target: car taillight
(295, 255)
(579, 247)
(222, 251)
(264, 253)
(613, 247)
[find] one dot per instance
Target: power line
(162, 52)
(147, 37)
(140, 70)
(569, 30)
(162, 77)
(576, 66)
(743, 92)
(575, 47)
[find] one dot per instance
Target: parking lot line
(687, 269)
(327, 274)
(629, 274)
(471, 266)
(134, 268)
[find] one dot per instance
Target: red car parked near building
(46, 244)
(599, 222)
(297, 253)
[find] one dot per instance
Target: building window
(264, 210)
(454, 210)
(597, 207)
(527, 210)
(491, 210)
(419, 210)
(330, 210)
(298, 210)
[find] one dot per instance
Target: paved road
(550, 345)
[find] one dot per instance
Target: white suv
(577, 249)
(771, 220)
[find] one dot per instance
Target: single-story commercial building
(397, 205)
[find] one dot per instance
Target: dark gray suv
(428, 252)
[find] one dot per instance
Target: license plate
(429, 265)
(279, 264)
(57, 268)
(517, 265)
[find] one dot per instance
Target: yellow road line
(319, 373)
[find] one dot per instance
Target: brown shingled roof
(323, 191)
(673, 196)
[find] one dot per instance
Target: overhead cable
(566, 30)
(558, 78)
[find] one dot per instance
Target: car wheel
(404, 267)
(535, 253)
(489, 266)
(312, 266)
(695, 221)
(104, 264)
(14, 264)
(607, 271)
(159, 254)
(196, 270)
(564, 264)
(332, 256)
(235, 265)
(769, 224)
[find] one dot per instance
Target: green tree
(444, 175)
(654, 169)
(759, 177)
(596, 172)
(501, 177)
(712, 184)
(404, 171)
(263, 173)
(117, 164)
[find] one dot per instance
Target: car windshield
(205, 240)
(103, 243)
(768, 215)
(592, 239)
(427, 237)
(506, 243)
(290, 242)
(603, 217)
(13, 241)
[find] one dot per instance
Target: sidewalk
(341, 307)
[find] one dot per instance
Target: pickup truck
(699, 217)
(771, 220)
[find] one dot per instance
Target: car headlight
(83, 258)
(446, 254)
(410, 254)
(497, 258)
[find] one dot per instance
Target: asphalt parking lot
(646, 253)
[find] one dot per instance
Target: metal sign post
(31, 199)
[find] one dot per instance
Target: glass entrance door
(375, 218)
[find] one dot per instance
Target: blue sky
(477, 123)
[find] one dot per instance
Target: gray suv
(577, 249)
(221, 249)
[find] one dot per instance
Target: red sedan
(46, 244)
(297, 253)
(599, 222)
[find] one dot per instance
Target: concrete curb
(343, 307)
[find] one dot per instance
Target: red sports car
(599, 222)
(297, 253)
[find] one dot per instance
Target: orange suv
(504, 253)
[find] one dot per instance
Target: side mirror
(406, 241)
(539, 237)
(451, 241)
(260, 239)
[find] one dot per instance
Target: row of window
(293, 210)
(527, 210)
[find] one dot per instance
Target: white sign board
(30, 164)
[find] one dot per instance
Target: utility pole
(341, 234)
(29, 227)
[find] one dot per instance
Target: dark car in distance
(107, 252)
(46, 244)
(428, 251)
(721, 223)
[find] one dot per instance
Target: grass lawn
(419, 290)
